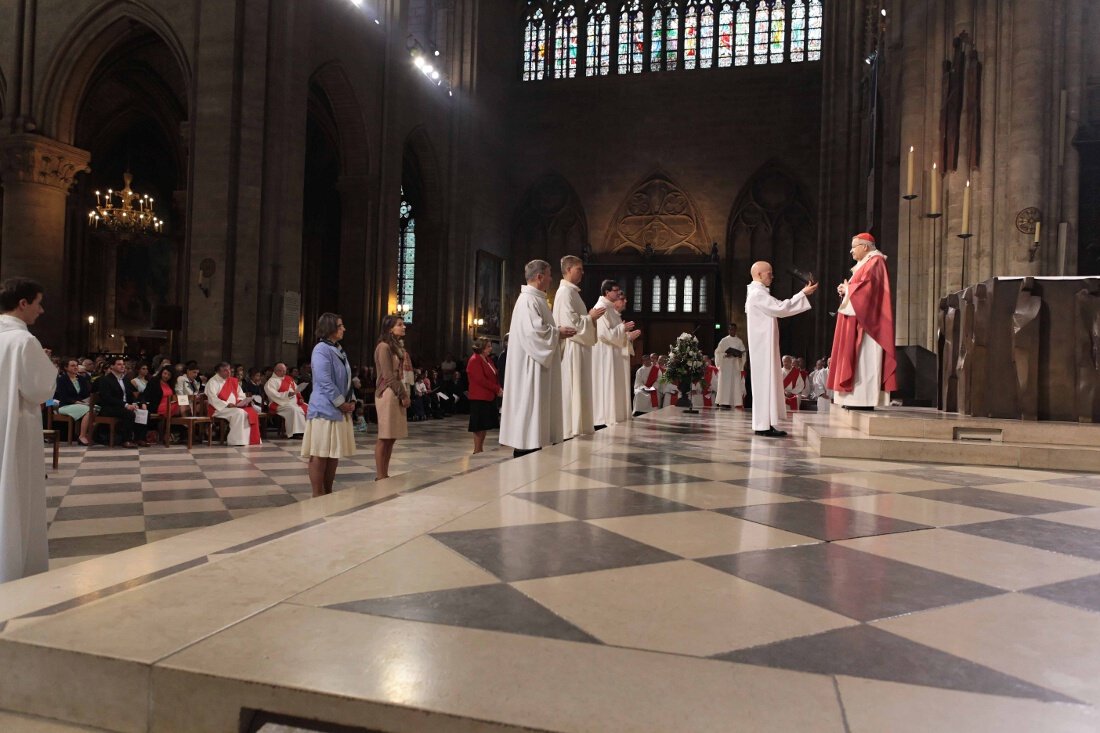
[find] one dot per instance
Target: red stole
(708, 398)
(229, 389)
(791, 381)
(869, 294)
(285, 385)
(654, 397)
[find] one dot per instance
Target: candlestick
(909, 175)
(935, 197)
(966, 209)
(1038, 227)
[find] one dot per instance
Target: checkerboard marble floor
(674, 574)
(102, 501)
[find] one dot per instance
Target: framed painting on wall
(488, 294)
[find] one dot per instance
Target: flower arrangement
(685, 361)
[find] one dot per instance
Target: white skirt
(329, 438)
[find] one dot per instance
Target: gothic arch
(91, 36)
(332, 80)
(659, 215)
(550, 222)
(422, 181)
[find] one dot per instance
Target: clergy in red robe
(226, 400)
(862, 372)
(793, 383)
(709, 379)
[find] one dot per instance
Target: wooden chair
(55, 418)
(54, 437)
(110, 422)
(190, 416)
(369, 407)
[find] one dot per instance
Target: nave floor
(673, 574)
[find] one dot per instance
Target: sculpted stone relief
(658, 217)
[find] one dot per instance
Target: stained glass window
(636, 303)
(565, 44)
(599, 42)
(672, 294)
(657, 33)
(725, 35)
(778, 32)
(631, 38)
(798, 31)
(741, 35)
(672, 38)
(664, 44)
(534, 47)
(689, 293)
(406, 258)
(813, 52)
(656, 304)
(703, 294)
(691, 35)
(763, 20)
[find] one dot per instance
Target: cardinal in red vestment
(863, 369)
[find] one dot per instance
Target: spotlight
(437, 52)
(435, 75)
(884, 12)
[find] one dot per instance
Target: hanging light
(125, 211)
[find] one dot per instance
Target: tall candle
(1038, 226)
(909, 181)
(966, 209)
(934, 203)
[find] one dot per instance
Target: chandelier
(117, 213)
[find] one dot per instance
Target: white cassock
(643, 401)
(239, 428)
(286, 405)
(799, 385)
(730, 389)
(576, 361)
(762, 312)
(628, 395)
(27, 379)
(609, 381)
(698, 394)
(667, 391)
(530, 416)
(817, 382)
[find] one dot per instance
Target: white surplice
(729, 372)
(609, 380)
(27, 379)
(286, 405)
(576, 361)
(628, 395)
(762, 312)
(239, 429)
(643, 402)
(530, 416)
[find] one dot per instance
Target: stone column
(37, 173)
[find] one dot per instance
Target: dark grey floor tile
(1081, 482)
(864, 651)
(52, 502)
(1041, 534)
(151, 493)
(184, 464)
(152, 479)
(490, 607)
(1082, 592)
(997, 501)
(99, 544)
(85, 471)
(803, 487)
(633, 475)
(262, 481)
(256, 502)
(791, 468)
(612, 501)
(856, 584)
(100, 511)
(107, 488)
(185, 519)
(545, 550)
(821, 521)
(91, 459)
(954, 478)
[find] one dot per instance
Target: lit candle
(935, 198)
(966, 209)
(909, 182)
(1038, 227)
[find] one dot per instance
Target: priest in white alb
(628, 356)
(531, 414)
(226, 399)
(729, 357)
(282, 394)
(763, 313)
(27, 379)
(576, 360)
(646, 396)
(609, 381)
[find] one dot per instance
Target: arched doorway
(425, 268)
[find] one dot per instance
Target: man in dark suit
(114, 400)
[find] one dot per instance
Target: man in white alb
(729, 357)
(763, 313)
(608, 378)
(530, 417)
(646, 397)
(226, 400)
(282, 393)
(576, 360)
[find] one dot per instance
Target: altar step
(930, 436)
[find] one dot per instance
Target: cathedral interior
(201, 179)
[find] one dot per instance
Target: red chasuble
(869, 294)
(230, 389)
(790, 382)
(286, 384)
(654, 398)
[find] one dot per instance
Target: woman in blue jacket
(329, 433)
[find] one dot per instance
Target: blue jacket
(331, 382)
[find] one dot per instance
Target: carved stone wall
(659, 217)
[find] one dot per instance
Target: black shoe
(771, 433)
(855, 408)
(600, 427)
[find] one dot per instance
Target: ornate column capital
(30, 158)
